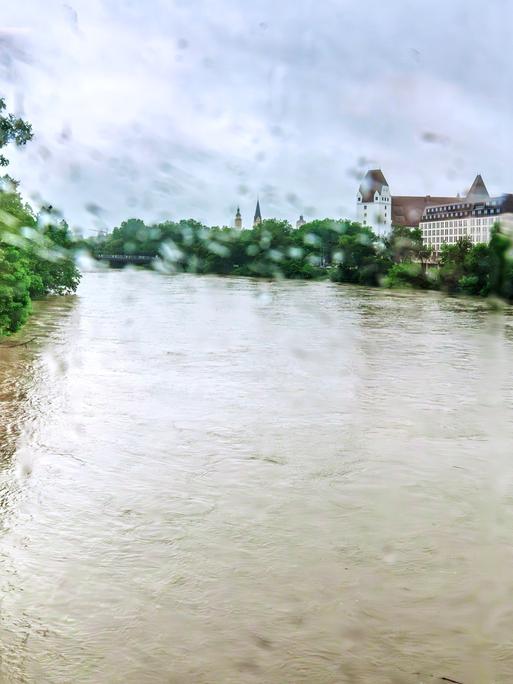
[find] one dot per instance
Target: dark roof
(462, 209)
(372, 181)
(477, 190)
(407, 211)
(238, 212)
(258, 215)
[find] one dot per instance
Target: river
(208, 480)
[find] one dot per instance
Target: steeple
(477, 190)
(258, 216)
(238, 219)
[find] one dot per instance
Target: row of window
(436, 243)
(463, 205)
(488, 221)
(440, 213)
(448, 207)
(459, 232)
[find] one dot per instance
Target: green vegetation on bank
(35, 256)
(343, 251)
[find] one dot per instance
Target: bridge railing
(126, 258)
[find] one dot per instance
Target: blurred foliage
(318, 249)
(35, 257)
(341, 250)
(344, 251)
(12, 129)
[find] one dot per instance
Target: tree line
(343, 251)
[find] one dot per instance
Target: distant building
(300, 222)
(441, 219)
(472, 217)
(238, 220)
(258, 215)
(377, 208)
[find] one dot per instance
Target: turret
(374, 202)
(238, 220)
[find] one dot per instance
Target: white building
(440, 219)
(374, 203)
(469, 217)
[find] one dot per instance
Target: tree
(320, 238)
(15, 281)
(452, 263)
(35, 258)
(500, 245)
(407, 275)
(361, 257)
(406, 244)
(12, 129)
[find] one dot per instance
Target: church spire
(258, 216)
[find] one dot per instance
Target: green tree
(453, 260)
(406, 244)
(12, 129)
(15, 281)
(500, 263)
(407, 275)
(35, 258)
(361, 256)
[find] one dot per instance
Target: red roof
(372, 181)
(407, 211)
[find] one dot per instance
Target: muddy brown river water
(207, 480)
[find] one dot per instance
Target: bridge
(125, 259)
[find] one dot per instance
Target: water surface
(226, 481)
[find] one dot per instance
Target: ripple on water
(241, 481)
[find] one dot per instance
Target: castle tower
(300, 222)
(258, 216)
(238, 220)
(374, 203)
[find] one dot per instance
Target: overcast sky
(186, 108)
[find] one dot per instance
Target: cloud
(188, 109)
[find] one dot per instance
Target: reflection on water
(224, 480)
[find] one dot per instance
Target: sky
(169, 109)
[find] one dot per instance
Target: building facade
(441, 219)
(472, 217)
